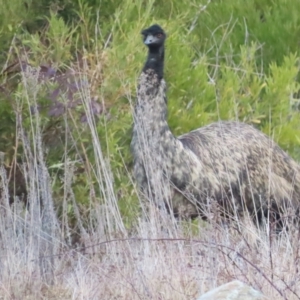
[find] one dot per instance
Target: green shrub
(225, 60)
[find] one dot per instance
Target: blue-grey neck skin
(155, 61)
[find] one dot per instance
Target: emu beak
(149, 39)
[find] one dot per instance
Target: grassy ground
(72, 225)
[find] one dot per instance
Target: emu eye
(159, 35)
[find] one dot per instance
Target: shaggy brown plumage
(230, 163)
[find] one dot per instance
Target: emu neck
(151, 106)
(155, 61)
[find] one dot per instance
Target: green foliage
(233, 59)
(273, 25)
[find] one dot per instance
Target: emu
(228, 163)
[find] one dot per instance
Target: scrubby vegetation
(72, 225)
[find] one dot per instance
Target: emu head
(154, 37)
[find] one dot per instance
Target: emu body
(231, 163)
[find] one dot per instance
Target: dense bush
(225, 60)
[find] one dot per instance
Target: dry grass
(158, 259)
